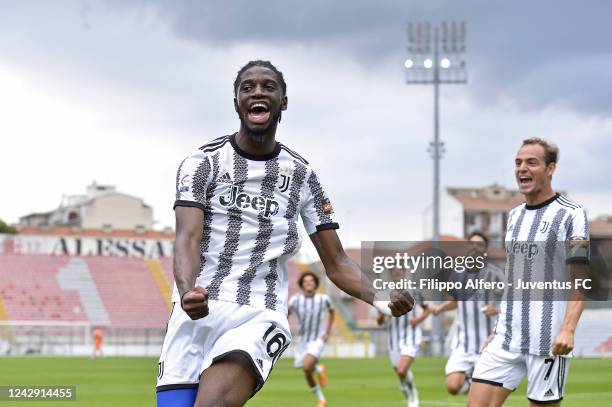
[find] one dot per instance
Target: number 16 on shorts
(276, 343)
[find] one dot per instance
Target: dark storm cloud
(539, 53)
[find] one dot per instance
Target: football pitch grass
(119, 382)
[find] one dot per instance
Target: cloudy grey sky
(120, 91)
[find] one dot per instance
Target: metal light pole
(436, 59)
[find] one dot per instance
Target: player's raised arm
(187, 260)
(347, 275)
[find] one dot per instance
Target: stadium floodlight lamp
(436, 54)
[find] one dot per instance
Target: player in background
(238, 200)
(475, 320)
(315, 315)
(98, 335)
(534, 338)
(405, 334)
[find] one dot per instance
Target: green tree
(4, 228)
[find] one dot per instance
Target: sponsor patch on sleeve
(327, 206)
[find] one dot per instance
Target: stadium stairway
(166, 265)
(130, 295)
(76, 276)
(161, 281)
(3, 313)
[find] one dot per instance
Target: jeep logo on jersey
(527, 249)
(268, 207)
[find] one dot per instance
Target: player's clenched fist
(563, 343)
(401, 302)
(195, 303)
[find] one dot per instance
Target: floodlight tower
(436, 55)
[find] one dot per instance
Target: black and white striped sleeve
(578, 237)
(192, 179)
(317, 211)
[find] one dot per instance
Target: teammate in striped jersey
(535, 337)
(475, 320)
(238, 200)
(405, 334)
(315, 315)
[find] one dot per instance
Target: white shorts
(461, 361)
(546, 376)
(190, 347)
(404, 350)
(314, 348)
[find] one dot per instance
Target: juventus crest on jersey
(251, 206)
(525, 325)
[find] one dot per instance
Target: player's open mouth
(525, 181)
(259, 113)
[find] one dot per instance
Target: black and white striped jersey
(311, 313)
(401, 332)
(534, 237)
(251, 206)
(472, 326)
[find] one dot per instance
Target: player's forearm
(422, 317)
(573, 311)
(448, 305)
(575, 303)
(341, 270)
(348, 277)
(186, 263)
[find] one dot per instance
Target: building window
(73, 217)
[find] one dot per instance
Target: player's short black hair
(308, 273)
(265, 64)
(480, 234)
